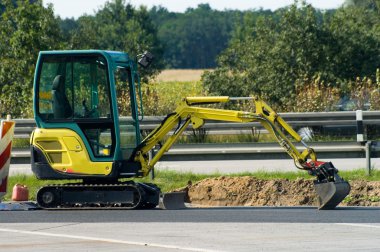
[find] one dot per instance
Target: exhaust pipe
(330, 187)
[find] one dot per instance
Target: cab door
(73, 92)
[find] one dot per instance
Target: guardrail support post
(368, 157)
(359, 126)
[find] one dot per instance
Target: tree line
(276, 57)
(191, 39)
(274, 54)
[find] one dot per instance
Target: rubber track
(86, 187)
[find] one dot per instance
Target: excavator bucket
(330, 194)
(330, 187)
(172, 201)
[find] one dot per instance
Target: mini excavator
(79, 98)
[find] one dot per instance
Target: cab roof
(116, 56)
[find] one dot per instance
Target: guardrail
(249, 151)
(24, 127)
(359, 149)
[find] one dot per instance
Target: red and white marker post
(7, 128)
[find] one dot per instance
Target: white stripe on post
(359, 126)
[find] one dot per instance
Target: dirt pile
(250, 191)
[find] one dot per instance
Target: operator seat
(61, 105)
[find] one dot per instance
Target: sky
(76, 8)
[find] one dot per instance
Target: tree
(275, 57)
(268, 56)
(67, 26)
(355, 47)
(119, 26)
(367, 4)
(193, 39)
(26, 29)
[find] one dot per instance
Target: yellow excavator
(79, 96)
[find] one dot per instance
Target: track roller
(48, 197)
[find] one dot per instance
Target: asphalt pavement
(198, 215)
(205, 229)
(197, 229)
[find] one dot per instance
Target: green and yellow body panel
(66, 153)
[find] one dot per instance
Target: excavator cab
(78, 99)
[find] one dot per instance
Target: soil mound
(250, 191)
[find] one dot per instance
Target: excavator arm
(329, 186)
(187, 114)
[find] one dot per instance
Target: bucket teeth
(330, 194)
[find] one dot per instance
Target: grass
(31, 182)
(360, 174)
(20, 142)
(350, 199)
(162, 98)
(180, 75)
(171, 180)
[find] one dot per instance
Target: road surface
(206, 229)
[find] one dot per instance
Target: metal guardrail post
(368, 157)
(360, 138)
(359, 126)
